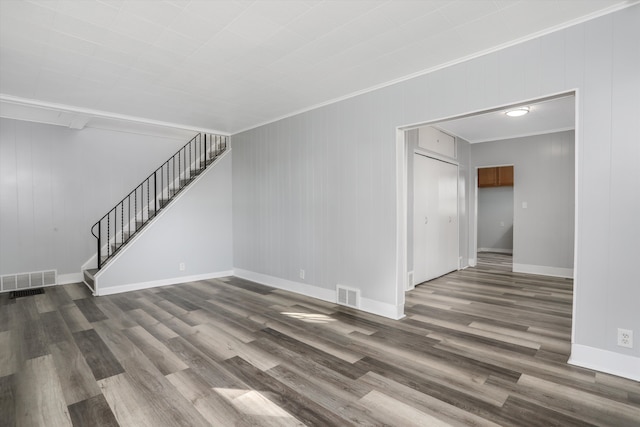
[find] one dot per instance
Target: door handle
(426, 219)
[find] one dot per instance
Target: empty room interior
(324, 212)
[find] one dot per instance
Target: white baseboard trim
(499, 251)
(606, 361)
(329, 295)
(323, 294)
(543, 270)
(382, 309)
(162, 282)
(472, 262)
(410, 285)
(64, 279)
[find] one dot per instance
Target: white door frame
(474, 217)
(401, 196)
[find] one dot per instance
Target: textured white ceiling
(230, 65)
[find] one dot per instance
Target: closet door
(435, 239)
(448, 210)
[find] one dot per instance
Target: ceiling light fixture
(517, 112)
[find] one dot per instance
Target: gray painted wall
(317, 190)
(544, 172)
(495, 219)
(194, 229)
(55, 183)
(310, 192)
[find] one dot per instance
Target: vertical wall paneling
(544, 179)
(531, 66)
(625, 173)
(475, 82)
(553, 55)
(597, 58)
(595, 185)
(56, 182)
(8, 201)
(26, 214)
(495, 219)
(511, 73)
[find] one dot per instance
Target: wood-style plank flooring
(478, 347)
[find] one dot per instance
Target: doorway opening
(495, 217)
(468, 185)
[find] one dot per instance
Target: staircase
(129, 216)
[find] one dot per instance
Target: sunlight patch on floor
(310, 317)
(252, 402)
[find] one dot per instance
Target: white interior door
(435, 228)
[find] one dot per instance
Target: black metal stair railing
(135, 210)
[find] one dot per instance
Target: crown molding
(550, 30)
(33, 110)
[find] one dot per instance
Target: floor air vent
(34, 279)
(26, 293)
(348, 296)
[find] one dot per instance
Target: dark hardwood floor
(482, 346)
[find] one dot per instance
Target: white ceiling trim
(14, 107)
(524, 135)
(478, 54)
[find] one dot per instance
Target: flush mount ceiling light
(517, 112)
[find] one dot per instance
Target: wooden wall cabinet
(501, 176)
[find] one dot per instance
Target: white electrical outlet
(625, 338)
(302, 274)
(182, 266)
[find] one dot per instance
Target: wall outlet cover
(625, 338)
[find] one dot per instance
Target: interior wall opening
(495, 217)
(556, 116)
